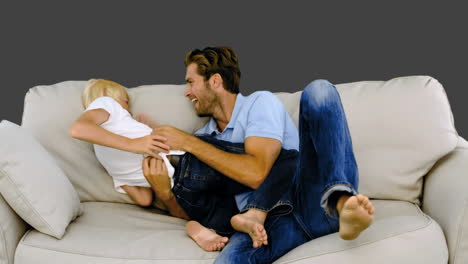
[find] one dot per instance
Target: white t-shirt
(124, 167)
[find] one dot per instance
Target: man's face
(199, 92)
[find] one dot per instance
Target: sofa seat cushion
(123, 233)
(401, 233)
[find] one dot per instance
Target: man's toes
(364, 200)
(368, 206)
(255, 244)
(359, 198)
(260, 229)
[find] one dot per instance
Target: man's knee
(230, 256)
(318, 93)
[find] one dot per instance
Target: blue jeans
(326, 165)
(207, 196)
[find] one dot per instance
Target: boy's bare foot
(356, 214)
(206, 238)
(251, 223)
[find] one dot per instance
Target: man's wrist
(165, 195)
(189, 146)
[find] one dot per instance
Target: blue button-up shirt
(260, 114)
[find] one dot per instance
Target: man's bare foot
(206, 238)
(251, 223)
(356, 214)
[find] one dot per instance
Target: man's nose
(187, 91)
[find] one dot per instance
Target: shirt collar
(213, 127)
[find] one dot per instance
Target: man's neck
(224, 110)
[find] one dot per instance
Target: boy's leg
(327, 172)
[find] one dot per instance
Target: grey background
(281, 46)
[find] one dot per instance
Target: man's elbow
(257, 181)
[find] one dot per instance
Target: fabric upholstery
(32, 184)
(12, 228)
(399, 128)
(142, 237)
(60, 105)
(446, 200)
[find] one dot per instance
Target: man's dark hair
(220, 60)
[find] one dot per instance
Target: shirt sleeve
(266, 117)
(103, 102)
(106, 103)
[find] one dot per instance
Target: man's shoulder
(261, 94)
(264, 99)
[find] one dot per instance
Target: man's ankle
(259, 214)
(341, 201)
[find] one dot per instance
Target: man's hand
(176, 138)
(150, 145)
(155, 172)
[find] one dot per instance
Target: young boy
(106, 105)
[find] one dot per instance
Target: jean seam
(252, 206)
(303, 227)
(328, 187)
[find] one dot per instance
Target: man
(324, 185)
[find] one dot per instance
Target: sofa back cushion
(50, 110)
(399, 128)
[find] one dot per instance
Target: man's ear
(216, 81)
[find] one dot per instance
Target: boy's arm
(156, 173)
(87, 127)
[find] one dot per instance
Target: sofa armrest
(446, 200)
(12, 229)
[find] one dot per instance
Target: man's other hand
(176, 138)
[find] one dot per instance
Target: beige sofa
(412, 163)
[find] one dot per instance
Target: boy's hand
(151, 145)
(146, 120)
(155, 172)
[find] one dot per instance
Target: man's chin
(203, 115)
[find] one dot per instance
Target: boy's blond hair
(99, 87)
